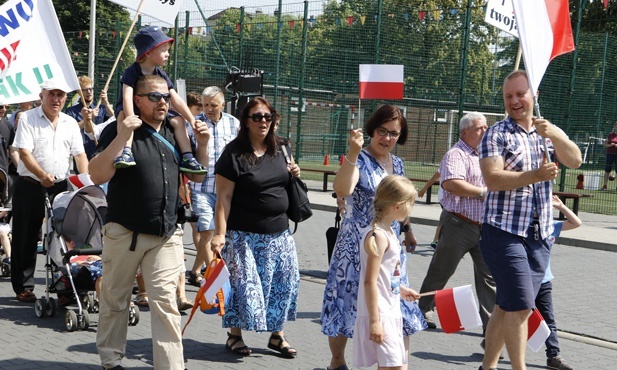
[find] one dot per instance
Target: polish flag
(214, 281)
(81, 180)
(381, 81)
(545, 32)
(537, 330)
(457, 309)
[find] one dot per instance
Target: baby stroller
(76, 216)
(5, 205)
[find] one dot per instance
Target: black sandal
(242, 351)
(287, 351)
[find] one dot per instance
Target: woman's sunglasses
(257, 117)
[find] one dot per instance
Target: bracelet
(350, 162)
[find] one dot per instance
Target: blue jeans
(544, 304)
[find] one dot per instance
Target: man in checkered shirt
(518, 218)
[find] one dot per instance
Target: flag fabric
(605, 4)
(81, 180)
(545, 32)
(457, 309)
(500, 14)
(537, 330)
(164, 11)
(381, 81)
(32, 51)
(215, 281)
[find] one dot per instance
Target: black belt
(30, 179)
(466, 219)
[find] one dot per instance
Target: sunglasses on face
(383, 132)
(4, 107)
(156, 97)
(257, 117)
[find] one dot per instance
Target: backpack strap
(163, 140)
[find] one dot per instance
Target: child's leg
(6, 243)
(189, 163)
(97, 287)
(125, 159)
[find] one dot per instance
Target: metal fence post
(301, 85)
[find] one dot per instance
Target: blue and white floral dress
(338, 313)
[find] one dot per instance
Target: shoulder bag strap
(163, 140)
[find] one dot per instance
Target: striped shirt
(514, 210)
(461, 163)
(221, 133)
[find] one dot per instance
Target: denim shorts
(203, 206)
(517, 264)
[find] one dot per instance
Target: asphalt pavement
(583, 262)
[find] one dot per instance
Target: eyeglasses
(383, 132)
(156, 97)
(4, 107)
(257, 117)
(88, 90)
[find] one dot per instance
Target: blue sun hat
(149, 38)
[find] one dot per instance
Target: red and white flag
(457, 309)
(381, 81)
(537, 330)
(81, 180)
(215, 281)
(545, 32)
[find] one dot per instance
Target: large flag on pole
(32, 50)
(545, 32)
(381, 81)
(164, 11)
(457, 309)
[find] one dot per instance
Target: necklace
(383, 164)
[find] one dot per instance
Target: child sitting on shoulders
(378, 337)
(152, 53)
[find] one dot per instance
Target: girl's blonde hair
(392, 190)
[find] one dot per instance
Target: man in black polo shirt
(141, 225)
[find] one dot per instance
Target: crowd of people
(143, 152)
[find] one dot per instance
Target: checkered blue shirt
(513, 210)
(221, 133)
(461, 163)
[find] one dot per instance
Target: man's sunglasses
(156, 97)
(4, 107)
(257, 117)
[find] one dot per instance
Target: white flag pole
(126, 39)
(92, 39)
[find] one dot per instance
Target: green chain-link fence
(454, 63)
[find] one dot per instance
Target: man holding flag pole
(518, 213)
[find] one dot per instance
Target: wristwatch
(480, 194)
(406, 228)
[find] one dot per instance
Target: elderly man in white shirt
(46, 139)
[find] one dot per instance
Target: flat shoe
(195, 279)
(26, 297)
(242, 351)
(287, 351)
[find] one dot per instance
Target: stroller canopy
(79, 215)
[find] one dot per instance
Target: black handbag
(299, 205)
(332, 234)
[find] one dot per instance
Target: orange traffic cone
(326, 161)
(341, 159)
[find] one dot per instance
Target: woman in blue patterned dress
(356, 180)
(252, 232)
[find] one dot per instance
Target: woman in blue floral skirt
(356, 181)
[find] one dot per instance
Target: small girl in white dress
(378, 329)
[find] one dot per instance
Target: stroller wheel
(133, 315)
(70, 320)
(50, 307)
(87, 302)
(84, 321)
(6, 269)
(39, 308)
